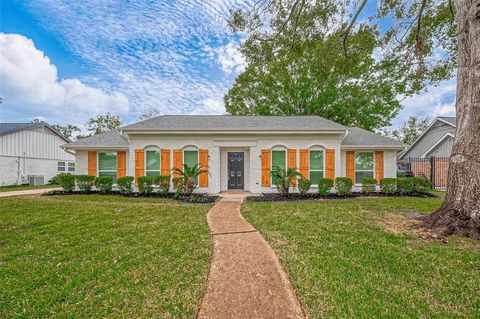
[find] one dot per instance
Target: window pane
(153, 173)
(191, 158)
(315, 176)
(61, 166)
(278, 159)
(153, 160)
(107, 161)
(71, 167)
(316, 160)
(364, 161)
(111, 174)
(359, 176)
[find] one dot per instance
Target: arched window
(190, 157)
(317, 164)
(152, 161)
(279, 159)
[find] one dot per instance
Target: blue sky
(65, 61)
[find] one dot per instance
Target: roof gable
(10, 128)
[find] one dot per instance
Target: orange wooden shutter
(139, 164)
(292, 162)
(330, 164)
(203, 163)
(121, 164)
(177, 161)
(266, 163)
(350, 165)
(304, 163)
(165, 162)
(379, 165)
(92, 163)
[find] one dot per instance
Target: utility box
(36, 180)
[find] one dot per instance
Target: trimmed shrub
(304, 186)
(343, 185)
(67, 181)
(368, 185)
(388, 185)
(125, 184)
(325, 186)
(163, 183)
(145, 184)
(85, 182)
(55, 180)
(405, 185)
(421, 184)
(178, 186)
(104, 184)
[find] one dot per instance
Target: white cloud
(210, 107)
(29, 84)
(231, 59)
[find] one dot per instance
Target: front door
(235, 170)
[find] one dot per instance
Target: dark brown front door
(235, 170)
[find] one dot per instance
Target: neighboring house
(437, 140)
(32, 149)
(239, 151)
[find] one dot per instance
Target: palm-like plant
(189, 173)
(283, 178)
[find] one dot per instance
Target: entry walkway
(28, 192)
(246, 279)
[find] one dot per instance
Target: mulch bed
(274, 197)
(194, 198)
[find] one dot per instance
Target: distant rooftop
(450, 119)
(7, 128)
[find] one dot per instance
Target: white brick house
(239, 150)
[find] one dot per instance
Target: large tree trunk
(460, 212)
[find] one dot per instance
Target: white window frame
(69, 164)
(363, 170)
(275, 149)
(191, 148)
(152, 148)
(64, 166)
(98, 162)
(315, 149)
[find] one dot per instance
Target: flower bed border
(275, 197)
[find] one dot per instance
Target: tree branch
(350, 26)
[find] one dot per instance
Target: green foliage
(67, 130)
(283, 179)
(421, 184)
(388, 185)
(104, 184)
(178, 186)
(103, 122)
(85, 182)
(405, 185)
(125, 184)
(304, 186)
(410, 130)
(67, 181)
(55, 180)
(145, 184)
(189, 173)
(325, 186)
(368, 185)
(343, 185)
(163, 183)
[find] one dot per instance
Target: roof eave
(94, 147)
(378, 147)
(225, 131)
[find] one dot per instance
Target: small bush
(400, 175)
(85, 182)
(178, 186)
(67, 181)
(405, 185)
(104, 184)
(55, 180)
(368, 185)
(163, 183)
(325, 186)
(145, 184)
(421, 184)
(125, 184)
(388, 185)
(304, 186)
(343, 185)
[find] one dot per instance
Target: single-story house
(239, 151)
(32, 149)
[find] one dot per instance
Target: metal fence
(433, 168)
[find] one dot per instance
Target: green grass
(345, 264)
(11, 188)
(90, 256)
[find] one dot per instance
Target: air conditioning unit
(36, 180)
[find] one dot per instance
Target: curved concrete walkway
(246, 279)
(28, 192)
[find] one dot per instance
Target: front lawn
(92, 256)
(346, 263)
(11, 188)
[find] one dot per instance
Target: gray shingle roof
(237, 123)
(450, 119)
(106, 139)
(360, 137)
(7, 128)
